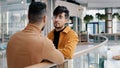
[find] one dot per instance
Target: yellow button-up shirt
(68, 40)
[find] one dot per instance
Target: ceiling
(100, 3)
(2, 2)
(87, 3)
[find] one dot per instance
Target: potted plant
(98, 15)
(101, 16)
(88, 18)
(117, 15)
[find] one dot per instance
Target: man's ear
(44, 19)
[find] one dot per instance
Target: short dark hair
(61, 9)
(36, 11)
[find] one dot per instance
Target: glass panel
(90, 28)
(12, 20)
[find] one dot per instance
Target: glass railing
(3, 62)
(111, 37)
(90, 55)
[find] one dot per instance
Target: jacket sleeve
(51, 35)
(70, 46)
(51, 53)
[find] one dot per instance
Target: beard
(42, 28)
(58, 27)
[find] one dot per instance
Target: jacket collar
(32, 27)
(67, 29)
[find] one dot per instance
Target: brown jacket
(67, 41)
(28, 47)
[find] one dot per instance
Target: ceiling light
(22, 2)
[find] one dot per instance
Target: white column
(109, 27)
(50, 7)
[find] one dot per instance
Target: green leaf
(88, 18)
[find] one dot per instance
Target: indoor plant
(88, 18)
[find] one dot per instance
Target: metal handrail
(76, 54)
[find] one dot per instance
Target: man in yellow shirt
(63, 37)
(28, 47)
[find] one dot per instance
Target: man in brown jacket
(63, 37)
(28, 47)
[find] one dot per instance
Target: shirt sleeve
(51, 53)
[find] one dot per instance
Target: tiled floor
(114, 49)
